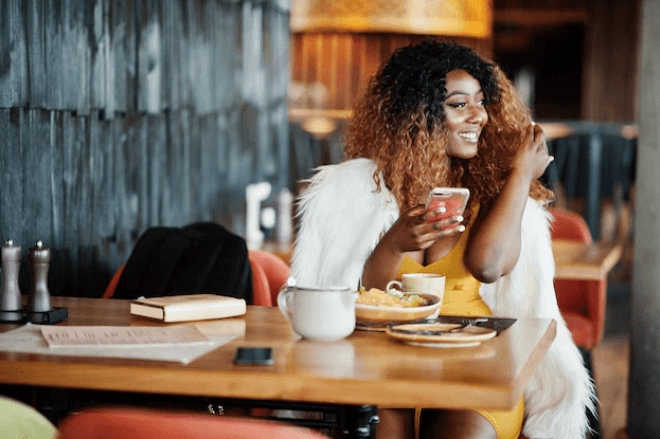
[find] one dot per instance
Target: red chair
(582, 302)
(110, 289)
(269, 273)
(133, 423)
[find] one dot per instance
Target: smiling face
(465, 113)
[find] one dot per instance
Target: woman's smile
(472, 136)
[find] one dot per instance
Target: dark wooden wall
(343, 62)
(611, 47)
(613, 61)
(118, 115)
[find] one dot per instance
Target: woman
(436, 114)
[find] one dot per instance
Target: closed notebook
(188, 307)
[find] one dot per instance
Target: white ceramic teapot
(320, 313)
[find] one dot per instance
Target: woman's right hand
(532, 158)
(413, 232)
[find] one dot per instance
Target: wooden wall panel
(36, 34)
(610, 77)
(13, 50)
(118, 115)
(612, 62)
(344, 62)
(11, 177)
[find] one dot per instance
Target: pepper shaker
(39, 300)
(10, 295)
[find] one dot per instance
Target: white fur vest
(342, 218)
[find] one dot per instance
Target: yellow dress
(462, 298)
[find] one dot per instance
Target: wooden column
(644, 382)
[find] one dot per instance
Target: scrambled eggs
(391, 298)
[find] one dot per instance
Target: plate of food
(440, 334)
(378, 309)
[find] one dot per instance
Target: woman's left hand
(532, 157)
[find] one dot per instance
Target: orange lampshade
(467, 18)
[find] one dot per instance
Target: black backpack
(199, 258)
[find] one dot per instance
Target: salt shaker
(10, 295)
(284, 230)
(39, 300)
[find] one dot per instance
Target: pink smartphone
(453, 199)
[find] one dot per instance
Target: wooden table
(365, 368)
(577, 260)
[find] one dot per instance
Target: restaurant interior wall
(607, 75)
(596, 82)
(118, 115)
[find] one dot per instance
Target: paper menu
(85, 336)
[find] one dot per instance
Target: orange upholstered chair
(133, 423)
(110, 289)
(269, 273)
(582, 302)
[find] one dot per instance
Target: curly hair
(399, 122)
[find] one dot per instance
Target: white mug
(421, 283)
(324, 314)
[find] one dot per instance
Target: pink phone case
(453, 199)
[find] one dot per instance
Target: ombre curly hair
(399, 122)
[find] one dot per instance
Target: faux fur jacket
(342, 218)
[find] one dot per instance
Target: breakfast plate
(378, 317)
(440, 334)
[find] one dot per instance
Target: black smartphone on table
(261, 356)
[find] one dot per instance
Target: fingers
(442, 224)
(416, 211)
(426, 234)
(529, 137)
(429, 215)
(425, 240)
(541, 142)
(537, 130)
(451, 231)
(539, 135)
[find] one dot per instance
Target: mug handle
(283, 299)
(394, 282)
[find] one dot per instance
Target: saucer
(418, 334)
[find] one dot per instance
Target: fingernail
(459, 219)
(552, 158)
(461, 228)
